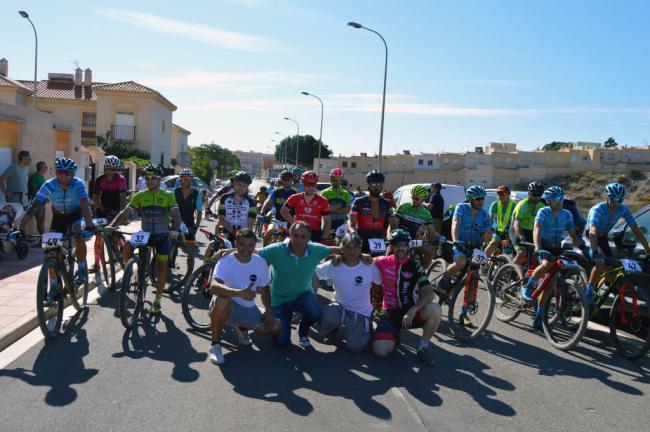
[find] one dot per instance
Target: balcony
(123, 133)
(88, 138)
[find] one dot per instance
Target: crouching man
(353, 281)
(237, 279)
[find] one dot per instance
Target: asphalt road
(98, 377)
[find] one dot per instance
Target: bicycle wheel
(49, 313)
(132, 293)
(496, 264)
(104, 260)
(180, 273)
(113, 255)
(437, 267)
(506, 283)
(628, 321)
(78, 294)
(566, 314)
(470, 307)
(196, 297)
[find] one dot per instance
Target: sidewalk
(18, 280)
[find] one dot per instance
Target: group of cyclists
(302, 226)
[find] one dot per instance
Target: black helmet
(286, 175)
(152, 169)
(536, 188)
(399, 236)
(244, 177)
(375, 176)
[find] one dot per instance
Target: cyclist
(370, 214)
(156, 207)
(70, 207)
(310, 207)
(470, 227)
(523, 218)
(407, 299)
(601, 219)
(550, 224)
(109, 196)
(296, 172)
(278, 197)
(338, 198)
(500, 217)
(227, 188)
(415, 218)
(190, 205)
(261, 196)
(578, 219)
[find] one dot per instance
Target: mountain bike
(57, 274)
(502, 256)
(110, 253)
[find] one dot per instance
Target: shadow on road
(59, 364)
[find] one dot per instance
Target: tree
(307, 152)
(611, 142)
(203, 154)
(557, 145)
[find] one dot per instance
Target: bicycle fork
(622, 318)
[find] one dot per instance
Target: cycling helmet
(152, 169)
(65, 164)
(375, 176)
(112, 162)
(536, 188)
(503, 189)
(232, 173)
(554, 193)
(309, 177)
(244, 177)
(615, 192)
(419, 191)
(186, 172)
(296, 170)
(336, 173)
(399, 236)
(286, 175)
(475, 191)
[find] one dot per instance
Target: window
(370, 164)
(430, 162)
(89, 120)
(420, 161)
(446, 161)
(344, 164)
(610, 156)
(403, 163)
(394, 162)
(354, 164)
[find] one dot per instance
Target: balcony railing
(123, 133)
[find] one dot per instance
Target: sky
(460, 73)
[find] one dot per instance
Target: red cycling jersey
(310, 212)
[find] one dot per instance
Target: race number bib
(415, 243)
(377, 245)
(342, 230)
(100, 221)
(278, 225)
(631, 266)
(184, 228)
(140, 238)
(479, 256)
(566, 262)
(52, 239)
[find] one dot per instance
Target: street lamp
(26, 16)
(282, 151)
(298, 137)
(383, 101)
(320, 136)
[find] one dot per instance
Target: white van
(452, 194)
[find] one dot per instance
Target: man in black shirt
(436, 205)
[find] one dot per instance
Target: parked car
(197, 183)
(452, 194)
(621, 238)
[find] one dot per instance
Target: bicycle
(566, 311)
(196, 294)
(472, 288)
(502, 256)
(59, 264)
(176, 277)
(110, 253)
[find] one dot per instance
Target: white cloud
(195, 31)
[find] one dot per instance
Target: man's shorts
(527, 237)
(357, 326)
(161, 243)
(603, 246)
(555, 250)
(240, 316)
(65, 222)
(390, 323)
(191, 235)
(109, 214)
(316, 236)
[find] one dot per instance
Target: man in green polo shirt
(524, 218)
(34, 184)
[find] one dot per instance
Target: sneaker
(243, 337)
(525, 293)
(215, 354)
(81, 277)
(53, 296)
(465, 321)
(426, 356)
(155, 308)
(297, 317)
(304, 341)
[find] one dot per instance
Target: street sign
(184, 159)
(214, 164)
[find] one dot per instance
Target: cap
(437, 186)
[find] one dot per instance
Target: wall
(161, 136)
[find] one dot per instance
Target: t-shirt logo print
(252, 278)
(358, 280)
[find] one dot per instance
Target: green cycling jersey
(155, 209)
(525, 213)
(411, 217)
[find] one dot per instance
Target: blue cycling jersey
(63, 200)
(553, 227)
(600, 216)
(471, 229)
(298, 187)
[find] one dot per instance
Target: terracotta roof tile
(8, 82)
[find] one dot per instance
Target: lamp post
(320, 136)
(297, 136)
(383, 101)
(281, 151)
(284, 148)
(26, 16)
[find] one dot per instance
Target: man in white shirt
(353, 281)
(237, 279)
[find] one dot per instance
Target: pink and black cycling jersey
(109, 191)
(400, 281)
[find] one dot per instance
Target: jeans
(305, 304)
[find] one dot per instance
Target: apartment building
(254, 162)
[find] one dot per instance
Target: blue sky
(460, 73)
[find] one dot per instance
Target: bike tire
(177, 283)
(195, 300)
(435, 270)
(495, 265)
(73, 290)
(131, 294)
(50, 318)
(562, 328)
(636, 327)
(104, 262)
(486, 295)
(506, 283)
(113, 258)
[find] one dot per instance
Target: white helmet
(112, 162)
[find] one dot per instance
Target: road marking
(397, 392)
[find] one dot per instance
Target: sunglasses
(109, 169)
(309, 184)
(479, 199)
(535, 195)
(151, 178)
(502, 194)
(374, 185)
(64, 173)
(416, 198)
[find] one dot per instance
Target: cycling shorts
(109, 214)
(603, 247)
(162, 244)
(65, 222)
(527, 237)
(390, 323)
